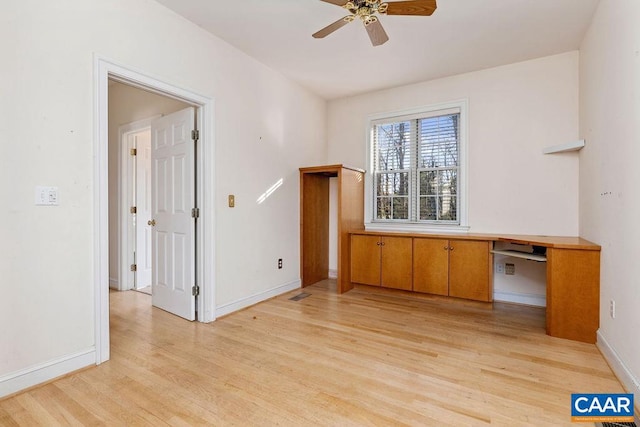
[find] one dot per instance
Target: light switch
(47, 196)
(232, 201)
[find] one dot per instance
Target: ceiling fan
(367, 11)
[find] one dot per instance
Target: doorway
(134, 235)
(203, 193)
(137, 208)
(132, 111)
(157, 203)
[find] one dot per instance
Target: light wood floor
(361, 358)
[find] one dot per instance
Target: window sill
(415, 227)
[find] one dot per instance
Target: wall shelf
(563, 148)
(523, 255)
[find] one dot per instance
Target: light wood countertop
(558, 242)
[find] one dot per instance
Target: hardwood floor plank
(366, 357)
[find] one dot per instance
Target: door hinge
(133, 151)
(134, 267)
(195, 290)
(195, 134)
(195, 213)
(133, 210)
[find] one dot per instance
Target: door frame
(126, 231)
(105, 69)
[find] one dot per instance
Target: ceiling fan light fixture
(367, 10)
(369, 19)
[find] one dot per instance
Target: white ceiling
(461, 36)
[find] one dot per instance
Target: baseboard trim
(527, 299)
(630, 383)
(38, 374)
(114, 283)
(228, 308)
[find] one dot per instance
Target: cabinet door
(397, 262)
(431, 266)
(365, 260)
(469, 270)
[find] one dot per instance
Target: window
(417, 167)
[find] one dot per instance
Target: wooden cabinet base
(573, 294)
(462, 267)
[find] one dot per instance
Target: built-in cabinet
(382, 261)
(462, 267)
(314, 221)
(457, 268)
(431, 266)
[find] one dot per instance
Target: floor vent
(299, 296)
(615, 424)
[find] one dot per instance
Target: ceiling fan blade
(415, 7)
(336, 2)
(377, 34)
(331, 28)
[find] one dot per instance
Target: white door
(143, 209)
(173, 197)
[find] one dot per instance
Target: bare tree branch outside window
(431, 183)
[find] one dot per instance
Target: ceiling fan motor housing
(366, 9)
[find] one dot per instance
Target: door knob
(151, 222)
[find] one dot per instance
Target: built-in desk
(573, 285)
(573, 276)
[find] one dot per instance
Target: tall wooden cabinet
(314, 221)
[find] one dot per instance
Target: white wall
(609, 175)
(514, 112)
(126, 105)
(265, 128)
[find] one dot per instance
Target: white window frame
(399, 225)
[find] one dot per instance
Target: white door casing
(143, 258)
(105, 69)
(173, 197)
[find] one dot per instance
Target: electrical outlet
(509, 269)
(612, 309)
(500, 268)
(279, 263)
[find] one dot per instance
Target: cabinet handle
(381, 243)
(451, 248)
(446, 248)
(378, 243)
